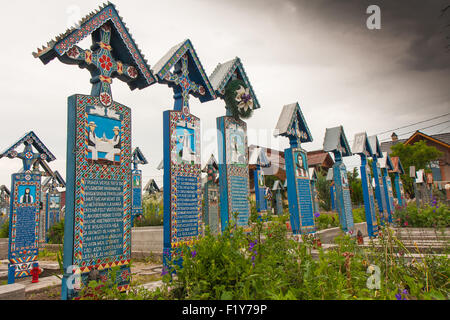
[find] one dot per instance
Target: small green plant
(436, 215)
(4, 229)
(56, 233)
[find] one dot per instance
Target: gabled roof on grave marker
(397, 165)
(125, 48)
(60, 179)
(48, 172)
(139, 155)
(335, 139)
(361, 145)
(35, 142)
(211, 162)
(376, 147)
(259, 157)
(386, 162)
(223, 74)
(330, 174)
(151, 186)
(312, 174)
(277, 186)
(285, 126)
(5, 189)
(196, 71)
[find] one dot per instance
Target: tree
(418, 155)
(323, 191)
(355, 185)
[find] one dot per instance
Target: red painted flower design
(132, 72)
(105, 62)
(105, 98)
(73, 53)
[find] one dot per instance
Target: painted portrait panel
(300, 165)
(103, 140)
(237, 146)
(185, 145)
(26, 194)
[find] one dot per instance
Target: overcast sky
(319, 53)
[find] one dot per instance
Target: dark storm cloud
(422, 23)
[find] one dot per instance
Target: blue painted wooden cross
(92, 168)
(24, 221)
(182, 157)
(292, 124)
(182, 85)
(102, 65)
(229, 79)
(362, 147)
(336, 142)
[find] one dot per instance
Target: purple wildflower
(317, 214)
(398, 296)
(405, 291)
(164, 271)
(194, 253)
(253, 258)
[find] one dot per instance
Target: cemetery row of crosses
(103, 184)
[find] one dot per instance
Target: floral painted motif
(244, 98)
(73, 53)
(105, 62)
(132, 72)
(105, 99)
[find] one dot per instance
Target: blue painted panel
(299, 192)
(369, 205)
(23, 224)
(344, 202)
(389, 197)
(97, 231)
(259, 181)
(333, 197)
(233, 171)
(379, 191)
(211, 216)
(400, 190)
(182, 182)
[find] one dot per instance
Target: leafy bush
(56, 233)
(153, 212)
(4, 229)
(359, 215)
(326, 220)
(269, 265)
(436, 215)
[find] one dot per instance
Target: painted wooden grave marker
(386, 165)
(211, 216)
(379, 183)
(4, 204)
(259, 158)
(231, 84)
(292, 125)
(136, 175)
(277, 188)
(362, 147)
(52, 201)
(314, 193)
(97, 233)
(182, 71)
(332, 189)
(23, 245)
(398, 171)
(336, 142)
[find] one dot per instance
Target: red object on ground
(35, 272)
